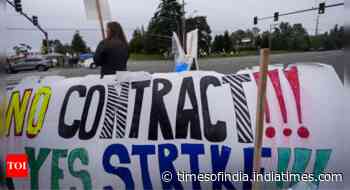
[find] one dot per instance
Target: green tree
(218, 44)
(300, 38)
(58, 47)
(336, 35)
(137, 42)
(329, 40)
(166, 19)
(227, 42)
(287, 37)
(78, 44)
(316, 42)
(204, 31)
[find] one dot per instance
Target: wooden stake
(259, 127)
(99, 14)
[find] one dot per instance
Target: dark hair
(116, 32)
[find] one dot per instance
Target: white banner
(143, 131)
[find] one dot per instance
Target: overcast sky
(221, 14)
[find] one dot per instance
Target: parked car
(39, 64)
(85, 56)
(88, 63)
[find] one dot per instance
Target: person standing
(112, 53)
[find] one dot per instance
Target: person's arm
(99, 54)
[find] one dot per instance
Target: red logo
(16, 165)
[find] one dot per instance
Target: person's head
(115, 31)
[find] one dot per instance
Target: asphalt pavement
(222, 65)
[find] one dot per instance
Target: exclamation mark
(270, 131)
(275, 79)
(293, 79)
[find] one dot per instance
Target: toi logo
(16, 165)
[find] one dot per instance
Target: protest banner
(134, 130)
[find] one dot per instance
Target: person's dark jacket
(112, 55)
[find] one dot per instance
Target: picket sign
(91, 9)
(125, 132)
(185, 60)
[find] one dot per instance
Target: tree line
(167, 19)
(77, 46)
(284, 37)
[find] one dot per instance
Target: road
(222, 65)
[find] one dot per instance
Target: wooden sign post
(259, 127)
(99, 14)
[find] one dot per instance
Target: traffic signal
(18, 5)
(255, 20)
(321, 8)
(35, 20)
(275, 16)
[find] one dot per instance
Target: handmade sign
(127, 132)
(185, 61)
(91, 9)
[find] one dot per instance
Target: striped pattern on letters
(243, 121)
(116, 111)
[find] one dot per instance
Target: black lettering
(212, 132)
(159, 113)
(64, 130)
(189, 116)
(83, 134)
(140, 89)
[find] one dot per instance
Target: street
(222, 65)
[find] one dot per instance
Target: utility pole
(321, 10)
(317, 24)
(99, 14)
(272, 28)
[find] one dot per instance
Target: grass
(148, 57)
(245, 53)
